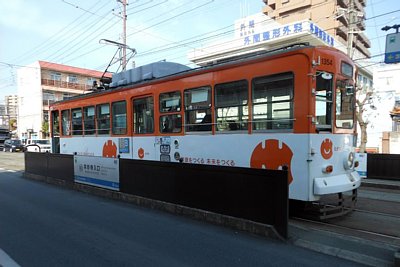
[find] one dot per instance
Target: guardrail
(383, 166)
(258, 197)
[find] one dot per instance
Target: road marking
(6, 261)
(2, 169)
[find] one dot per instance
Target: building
(11, 103)
(384, 118)
(42, 83)
(342, 19)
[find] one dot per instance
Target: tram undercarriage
(329, 206)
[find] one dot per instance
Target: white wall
(30, 99)
(386, 87)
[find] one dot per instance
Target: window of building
(231, 100)
(77, 121)
(273, 102)
(66, 123)
(323, 105)
(89, 120)
(90, 81)
(103, 118)
(119, 117)
(72, 79)
(143, 115)
(170, 102)
(198, 109)
(55, 76)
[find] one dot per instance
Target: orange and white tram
(292, 108)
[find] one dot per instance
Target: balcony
(67, 85)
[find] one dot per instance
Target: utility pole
(124, 35)
(124, 17)
(350, 33)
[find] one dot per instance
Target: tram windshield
(323, 105)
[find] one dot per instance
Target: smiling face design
(326, 148)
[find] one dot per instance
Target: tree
(361, 106)
(45, 128)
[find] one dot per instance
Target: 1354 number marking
(326, 61)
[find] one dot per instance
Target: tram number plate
(326, 61)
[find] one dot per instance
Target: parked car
(38, 145)
(13, 145)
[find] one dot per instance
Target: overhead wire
(199, 40)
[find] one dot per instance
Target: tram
(292, 108)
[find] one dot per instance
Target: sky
(69, 31)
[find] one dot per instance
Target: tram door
(55, 131)
(143, 127)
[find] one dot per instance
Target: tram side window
(88, 120)
(55, 123)
(66, 123)
(273, 102)
(344, 105)
(77, 121)
(170, 102)
(323, 105)
(119, 117)
(103, 118)
(198, 109)
(231, 106)
(143, 115)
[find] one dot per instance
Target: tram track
(331, 226)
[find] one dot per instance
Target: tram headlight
(348, 163)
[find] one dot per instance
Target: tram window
(66, 123)
(170, 102)
(171, 123)
(344, 105)
(231, 108)
(323, 105)
(273, 102)
(119, 117)
(89, 120)
(55, 123)
(103, 118)
(77, 121)
(198, 109)
(143, 115)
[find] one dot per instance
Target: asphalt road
(44, 225)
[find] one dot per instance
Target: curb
(340, 253)
(347, 247)
(386, 184)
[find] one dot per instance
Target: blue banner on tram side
(97, 171)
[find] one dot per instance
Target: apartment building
(42, 83)
(342, 19)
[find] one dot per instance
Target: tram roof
(191, 71)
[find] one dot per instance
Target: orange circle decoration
(140, 153)
(109, 149)
(274, 155)
(327, 148)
